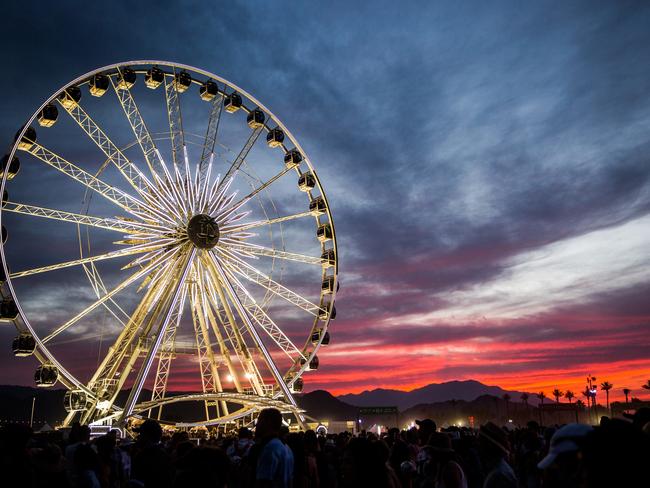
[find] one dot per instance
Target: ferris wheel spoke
(75, 262)
(167, 351)
(175, 118)
(262, 187)
(138, 126)
(241, 157)
(177, 302)
(252, 250)
(277, 376)
(208, 367)
(118, 197)
(206, 318)
(129, 170)
(207, 154)
(74, 218)
(252, 274)
(217, 294)
(260, 223)
(263, 320)
(133, 278)
(100, 289)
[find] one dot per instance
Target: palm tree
(524, 398)
(646, 386)
(569, 395)
(626, 392)
(506, 398)
(587, 394)
(541, 395)
(580, 405)
(557, 394)
(606, 386)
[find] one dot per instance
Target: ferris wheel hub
(203, 231)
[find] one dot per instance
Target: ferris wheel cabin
(208, 90)
(292, 159)
(70, 97)
(23, 345)
(98, 85)
(8, 310)
(182, 81)
(46, 375)
(232, 102)
(255, 118)
(275, 137)
(154, 78)
(75, 401)
(126, 79)
(324, 232)
(47, 117)
(298, 385)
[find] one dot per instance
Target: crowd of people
(614, 453)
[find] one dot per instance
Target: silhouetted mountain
(466, 390)
(322, 405)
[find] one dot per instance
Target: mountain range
(467, 390)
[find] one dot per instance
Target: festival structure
(204, 248)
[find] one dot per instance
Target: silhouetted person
(426, 427)
(86, 464)
(494, 449)
(79, 435)
(563, 466)
(275, 460)
(112, 472)
(152, 466)
(49, 463)
(240, 446)
(365, 465)
(616, 454)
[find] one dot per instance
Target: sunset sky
(487, 165)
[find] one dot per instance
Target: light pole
(31, 418)
(592, 395)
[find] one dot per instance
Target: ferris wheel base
(249, 407)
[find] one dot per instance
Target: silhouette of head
(269, 423)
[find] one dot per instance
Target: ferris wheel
(165, 242)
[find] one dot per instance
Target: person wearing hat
(562, 465)
(494, 448)
(640, 418)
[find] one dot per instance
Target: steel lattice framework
(197, 273)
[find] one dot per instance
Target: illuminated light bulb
(229, 377)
